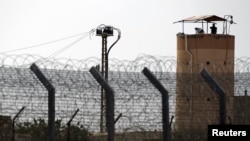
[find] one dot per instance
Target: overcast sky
(146, 25)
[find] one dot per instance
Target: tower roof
(207, 18)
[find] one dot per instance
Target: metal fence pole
(51, 100)
(69, 123)
(222, 96)
(110, 103)
(13, 122)
(165, 102)
(119, 116)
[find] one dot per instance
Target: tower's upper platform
(208, 20)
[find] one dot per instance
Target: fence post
(69, 123)
(165, 102)
(13, 122)
(110, 102)
(51, 100)
(222, 96)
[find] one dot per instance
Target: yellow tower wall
(196, 104)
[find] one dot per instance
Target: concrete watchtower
(196, 104)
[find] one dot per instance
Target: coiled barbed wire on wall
(135, 97)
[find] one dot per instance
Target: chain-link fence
(137, 101)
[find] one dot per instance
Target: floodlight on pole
(105, 31)
(228, 19)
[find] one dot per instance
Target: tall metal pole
(105, 31)
(103, 72)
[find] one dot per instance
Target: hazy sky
(146, 25)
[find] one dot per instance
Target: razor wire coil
(135, 96)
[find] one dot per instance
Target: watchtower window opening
(225, 62)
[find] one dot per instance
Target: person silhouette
(213, 29)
